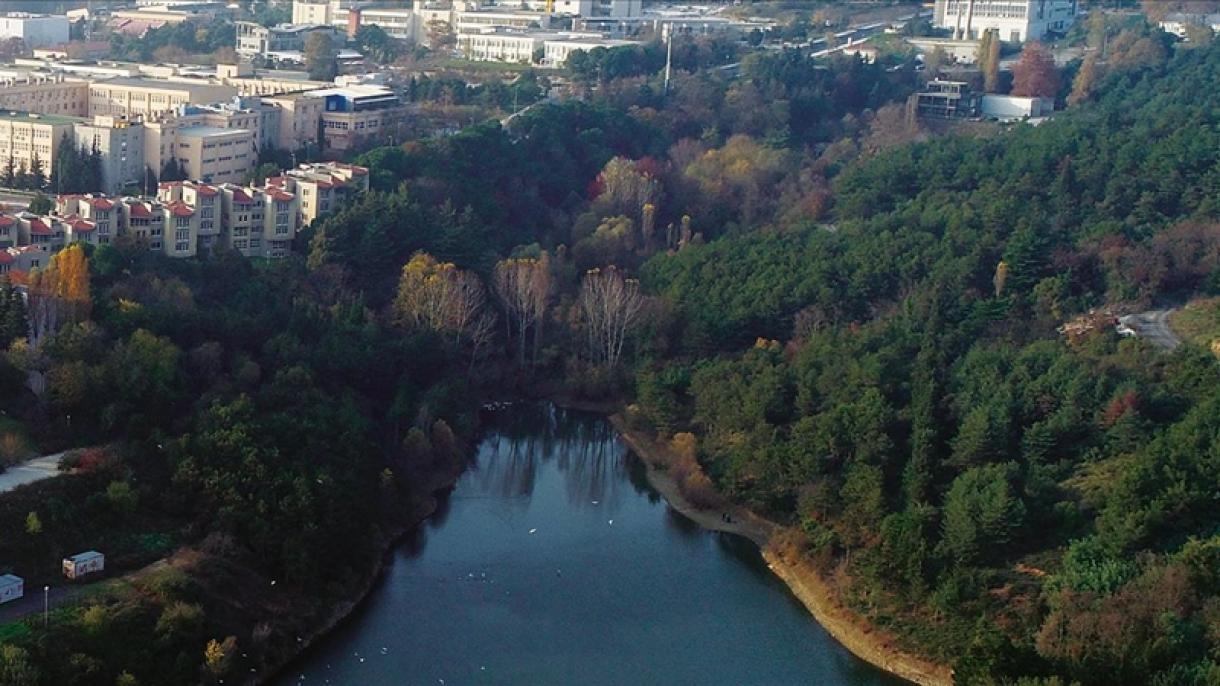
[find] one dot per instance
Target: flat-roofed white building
(1014, 20)
(35, 30)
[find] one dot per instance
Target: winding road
(30, 471)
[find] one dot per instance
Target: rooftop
(201, 131)
(54, 119)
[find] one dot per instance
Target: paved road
(28, 472)
(1153, 326)
(33, 601)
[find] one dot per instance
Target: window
(182, 234)
(182, 222)
(256, 242)
(182, 246)
(241, 244)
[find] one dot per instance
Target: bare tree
(441, 297)
(611, 306)
(523, 286)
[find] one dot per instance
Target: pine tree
(9, 178)
(38, 173)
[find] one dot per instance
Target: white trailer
(85, 563)
(12, 587)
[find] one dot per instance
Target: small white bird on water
(532, 530)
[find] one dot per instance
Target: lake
(553, 562)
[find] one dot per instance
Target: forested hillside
(1046, 502)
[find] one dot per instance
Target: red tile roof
(139, 210)
(206, 190)
(241, 196)
(81, 226)
(6, 258)
(6, 220)
(101, 203)
(281, 196)
(37, 226)
(181, 209)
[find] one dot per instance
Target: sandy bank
(808, 585)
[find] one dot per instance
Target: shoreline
(806, 583)
(424, 509)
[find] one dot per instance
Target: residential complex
(186, 218)
(1014, 20)
(323, 188)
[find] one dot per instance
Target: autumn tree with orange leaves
(1035, 74)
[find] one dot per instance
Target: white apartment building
(1015, 20)
(215, 155)
(35, 30)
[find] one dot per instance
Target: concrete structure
(352, 115)
(322, 187)
(397, 22)
(90, 218)
(215, 155)
(258, 222)
(83, 564)
(205, 199)
(501, 44)
(960, 51)
(1178, 22)
(12, 587)
(35, 30)
(256, 39)
(1012, 107)
(34, 139)
(151, 99)
(946, 100)
(45, 95)
(557, 50)
(121, 144)
(1016, 20)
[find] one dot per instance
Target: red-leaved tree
(1035, 74)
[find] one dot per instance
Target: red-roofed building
(325, 187)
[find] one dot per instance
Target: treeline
(258, 414)
(1031, 507)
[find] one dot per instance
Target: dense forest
(856, 325)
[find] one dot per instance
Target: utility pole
(46, 606)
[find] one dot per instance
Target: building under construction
(945, 100)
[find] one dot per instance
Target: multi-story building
(35, 30)
(120, 141)
(352, 115)
(259, 222)
(205, 199)
(215, 155)
(33, 140)
(151, 99)
(1014, 20)
(322, 187)
(45, 95)
(92, 218)
(256, 39)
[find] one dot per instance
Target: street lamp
(46, 606)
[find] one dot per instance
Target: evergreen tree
(22, 178)
(9, 177)
(67, 167)
(14, 322)
(38, 173)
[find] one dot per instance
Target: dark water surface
(611, 586)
